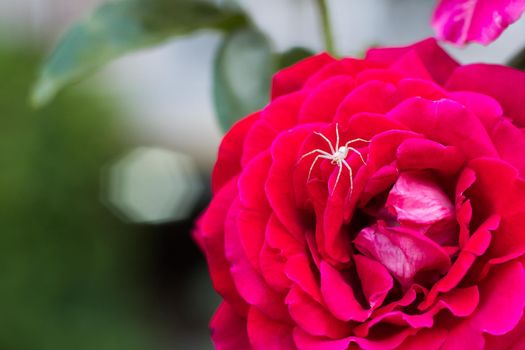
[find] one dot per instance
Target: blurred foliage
(242, 73)
(65, 262)
(119, 27)
(243, 66)
(292, 56)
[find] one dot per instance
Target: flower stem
(327, 29)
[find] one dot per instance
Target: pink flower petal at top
(481, 21)
(419, 203)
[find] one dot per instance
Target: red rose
(417, 243)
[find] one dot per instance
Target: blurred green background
(72, 275)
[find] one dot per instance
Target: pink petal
(513, 340)
(339, 296)
(404, 253)
(293, 78)
(463, 336)
(313, 317)
(510, 143)
(343, 67)
(482, 21)
(249, 283)
(267, 334)
(323, 101)
(446, 122)
(210, 233)
(426, 154)
(252, 180)
(502, 299)
(272, 265)
(428, 339)
(438, 62)
(375, 279)
(428, 89)
(372, 97)
(305, 341)
(280, 115)
(498, 188)
(488, 109)
(230, 151)
(228, 329)
(477, 244)
(418, 202)
(299, 270)
(280, 187)
(496, 81)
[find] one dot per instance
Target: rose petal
(438, 62)
(419, 203)
(299, 270)
(446, 122)
(494, 80)
(502, 299)
(280, 115)
(343, 67)
(427, 154)
(280, 188)
(427, 89)
(488, 109)
(510, 143)
(313, 317)
(267, 334)
(513, 340)
(228, 329)
(372, 97)
(475, 246)
(323, 101)
(404, 253)
(375, 279)
(339, 296)
(230, 151)
(293, 78)
(498, 189)
(482, 21)
(210, 233)
(248, 282)
(428, 339)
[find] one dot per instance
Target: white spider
(338, 156)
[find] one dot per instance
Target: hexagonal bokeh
(153, 185)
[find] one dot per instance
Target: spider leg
(351, 176)
(336, 136)
(338, 176)
(358, 153)
(313, 163)
(356, 140)
(314, 151)
(327, 141)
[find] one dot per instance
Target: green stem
(327, 29)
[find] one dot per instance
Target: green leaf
(293, 55)
(119, 27)
(242, 75)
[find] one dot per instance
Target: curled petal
(482, 21)
(403, 252)
(375, 279)
(339, 295)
